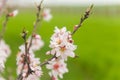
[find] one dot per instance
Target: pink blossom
(47, 15)
(37, 42)
(62, 44)
(24, 67)
(57, 68)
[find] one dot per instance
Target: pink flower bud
(47, 53)
(75, 27)
(14, 13)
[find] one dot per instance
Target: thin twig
(47, 61)
(27, 47)
(4, 26)
(83, 18)
(26, 57)
(2, 6)
(38, 19)
(24, 34)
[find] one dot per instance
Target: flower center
(63, 48)
(56, 66)
(58, 41)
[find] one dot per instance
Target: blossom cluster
(62, 48)
(28, 64)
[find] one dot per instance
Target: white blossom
(37, 42)
(58, 67)
(32, 65)
(5, 47)
(1, 78)
(4, 54)
(62, 44)
(47, 15)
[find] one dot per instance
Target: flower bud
(75, 27)
(14, 13)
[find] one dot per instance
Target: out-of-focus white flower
(62, 44)
(2, 5)
(5, 47)
(47, 15)
(58, 67)
(14, 13)
(37, 42)
(4, 54)
(1, 78)
(30, 67)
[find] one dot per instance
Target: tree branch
(4, 26)
(47, 61)
(83, 18)
(27, 47)
(38, 19)
(25, 57)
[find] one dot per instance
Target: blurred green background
(98, 41)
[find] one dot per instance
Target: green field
(98, 42)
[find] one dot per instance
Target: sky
(66, 2)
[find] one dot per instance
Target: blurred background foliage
(98, 41)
